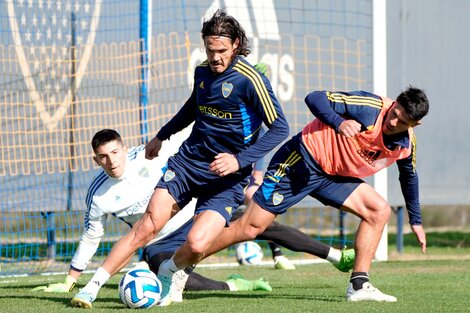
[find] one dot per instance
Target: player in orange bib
(355, 134)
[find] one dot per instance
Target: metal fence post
(400, 219)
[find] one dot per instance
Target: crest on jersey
(169, 175)
(277, 198)
(41, 33)
(227, 89)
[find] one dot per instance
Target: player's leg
(197, 282)
(281, 262)
(159, 211)
(155, 255)
(374, 212)
(85, 297)
(252, 222)
(355, 196)
(205, 229)
(189, 280)
(213, 212)
(295, 240)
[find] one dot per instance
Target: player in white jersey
(124, 170)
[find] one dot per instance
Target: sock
(231, 286)
(189, 269)
(358, 279)
(275, 249)
(168, 268)
(334, 255)
(97, 281)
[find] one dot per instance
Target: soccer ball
(249, 253)
(139, 289)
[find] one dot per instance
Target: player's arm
(409, 183)
(326, 109)
(89, 242)
(265, 102)
(346, 112)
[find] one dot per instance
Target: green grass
(420, 286)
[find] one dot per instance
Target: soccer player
(354, 135)
(122, 189)
(229, 103)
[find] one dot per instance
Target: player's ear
(96, 160)
(125, 148)
(236, 43)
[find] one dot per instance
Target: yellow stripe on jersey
(413, 151)
(355, 100)
(251, 135)
(293, 158)
(260, 88)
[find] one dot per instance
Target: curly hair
(221, 24)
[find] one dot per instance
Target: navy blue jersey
(228, 110)
(332, 108)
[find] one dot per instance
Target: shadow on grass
(264, 296)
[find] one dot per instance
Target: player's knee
(380, 213)
(252, 231)
(197, 243)
(144, 232)
(195, 248)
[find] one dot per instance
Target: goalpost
(71, 69)
(380, 87)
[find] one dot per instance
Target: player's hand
(420, 235)
(152, 148)
(349, 128)
(224, 164)
(64, 287)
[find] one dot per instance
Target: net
(70, 68)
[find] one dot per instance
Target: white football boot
(367, 293)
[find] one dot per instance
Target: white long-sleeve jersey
(126, 198)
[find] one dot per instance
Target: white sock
(231, 286)
(168, 268)
(97, 281)
(334, 255)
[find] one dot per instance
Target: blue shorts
(220, 194)
(293, 174)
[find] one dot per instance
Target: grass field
(436, 282)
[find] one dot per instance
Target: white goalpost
(380, 87)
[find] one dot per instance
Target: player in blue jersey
(354, 135)
(228, 105)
